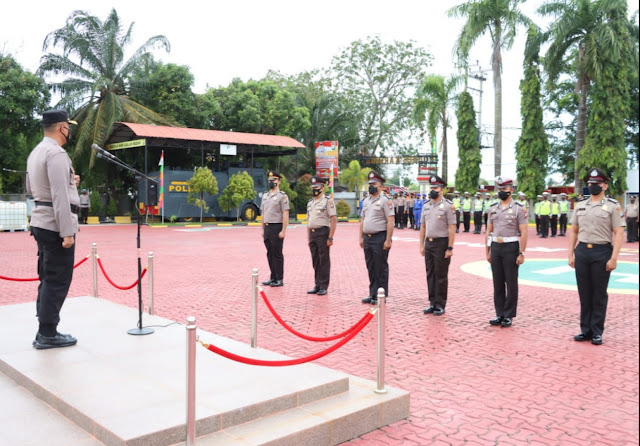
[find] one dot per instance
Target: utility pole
(478, 73)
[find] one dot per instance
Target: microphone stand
(109, 157)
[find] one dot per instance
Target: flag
(331, 182)
(161, 192)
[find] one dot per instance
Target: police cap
(375, 177)
(317, 181)
(274, 174)
(596, 175)
(502, 182)
(54, 116)
(435, 180)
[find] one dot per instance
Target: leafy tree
(23, 95)
(239, 189)
(355, 176)
(499, 18)
(96, 207)
(468, 173)
(434, 98)
(581, 25)
(112, 208)
(378, 81)
(303, 189)
(291, 194)
(203, 181)
(532, 148)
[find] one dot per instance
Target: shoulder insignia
(494, 204)
(519, 204)
(448, 201)
(331, 203)
(612, 200)
(584, 198)
(390, 204)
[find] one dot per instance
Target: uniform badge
(390, 204)
(511, 211)
(331, 203)
(594, 173)
(604, 207)
(441, 205)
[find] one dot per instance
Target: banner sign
(326, 157)
(369, 161)
(127, 144)
(228, 149)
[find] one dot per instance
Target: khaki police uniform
(319, 213)
(375, 211)
(437, 217)
(272, 209)
(631, 215)
(410, 202)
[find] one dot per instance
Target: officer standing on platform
(545, 215)
(376, 230)
(631, 216)
(477, 213)
(536, 214)
(505, 253)
(457, 204)
(564, 214)
(321, 225)
(275, 218)
(595, 223)
(54, 222)
(437, 234)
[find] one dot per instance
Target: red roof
(160, 131)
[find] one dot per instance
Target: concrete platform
(130, 390)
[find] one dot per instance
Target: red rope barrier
(37, 278)
(144, 271)
(302, 335)
(289, 362)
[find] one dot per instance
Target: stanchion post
(191, 381)
(382, 300)
(254, 308)
(94, 254)
(150, 278)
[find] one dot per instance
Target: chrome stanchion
(191, 381)
(382, 300)
(150, 286)
(254, 308)
(94, 254)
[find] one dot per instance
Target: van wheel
(249, 212)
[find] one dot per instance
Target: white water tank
(13, 216)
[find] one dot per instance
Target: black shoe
(367, 300)
(268, 282)
(322, 292)
(57, 341)
(277, 283)
(457, 231)
(581, 337)
(374, 301)
(314, 290)
(496, 321)
(506, 322)
(596, 340)
(438, 312)
(429, 310)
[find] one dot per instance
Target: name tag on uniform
(377, 204)
(511, 211)
(604, 207)
(275, 197)
(442, 205)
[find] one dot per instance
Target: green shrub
(342, 209)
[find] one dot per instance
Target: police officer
(401, 210)
(545, 215)
(555, 214)
(485, 209)
(457, 204)
(536, 213)
(321, 225)
(437, 234)
(631, 216)
(595, 223)
(410, 202)
(85, 205)
(417, 211)
(564, 214)
(376, 230)
(467, 207)
(505, 252)
(54, 221)
(477, 213)
(275, 217)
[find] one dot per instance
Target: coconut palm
(500, 18)
(355, 176)
(580, 26)
(97, 75)
(434, 97)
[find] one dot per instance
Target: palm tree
(500, 18)
(435, 96)
(96, 90)
(354, 177)
(580, 26)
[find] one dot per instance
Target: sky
(221, 40)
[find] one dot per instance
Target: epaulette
(583, 198)
(448, 201)
(427, 201)
(494, 204)
(519, 204)
(612, 200)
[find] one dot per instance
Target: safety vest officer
(437, 234)
(457, 204)
(505, 252)
(555, 215)
(564, 214)
(477, 213)
(545, 215)
(467, 207)
(321, 225)
(275, 217)
(536, 213)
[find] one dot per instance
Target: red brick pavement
(470, 383)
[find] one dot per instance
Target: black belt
(272, 224)
(595, 245)
(437, 239)
(73, 207)
(318, 228)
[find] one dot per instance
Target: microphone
(100, 151)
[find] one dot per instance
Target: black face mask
(434, 194)
(503, 195)
(272, 184)
(373, 190)
(595, 189)
(316, 192)
(67, 137)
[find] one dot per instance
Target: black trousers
(84, 214)
(563, 224)
(477, 221)
(538, 223)
(632, 229)
(467, 220)
(554, 225)
(411, 216)
(437, 270)
(320, 256)
(274, 245)
(400, 216)
(486, 219)
(544, 225)
(593, 279)
(505, 278)
(376, 258)
(55, 271)
(457, 220)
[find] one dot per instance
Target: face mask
(434, 194)
(595, 189)
(503, 195)
(373, 189)
(67, 137)
(316, 192)
(272, 184)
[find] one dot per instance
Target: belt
(73, 207)
(595, 245)
(318, 228)
(375, 233)
(436, 239)
(272, 224)
(504, 239)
